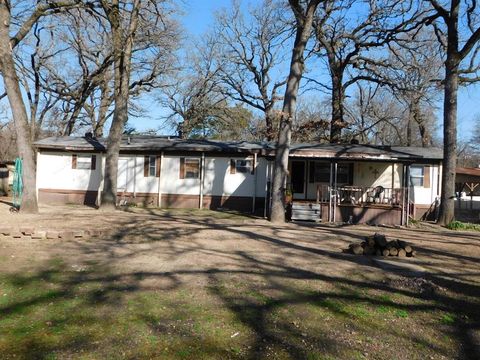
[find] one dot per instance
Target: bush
(458, 225)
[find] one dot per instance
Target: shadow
(177, 285)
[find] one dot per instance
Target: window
(417, 175)
(151, 166)
(84, 162)
(243, 166)
(320, 173)
(343, 173)
(189, 168)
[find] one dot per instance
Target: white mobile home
(358, 183)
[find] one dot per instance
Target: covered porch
(350, 191)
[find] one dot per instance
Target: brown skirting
(238, 203)
(364, 214)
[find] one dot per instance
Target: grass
(458, 225)
(59, 313)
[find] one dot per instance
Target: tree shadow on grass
(280, 306)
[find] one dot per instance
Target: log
(393, 251)
(380, 240)
(371, 242)
(378, 252)
(408, 249)
(385, 252)
(402, 253)
(369, 250)
(401, 243)
(363, 244)
(392, 244)
(357, 249)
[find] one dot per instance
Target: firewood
(371, 242)
(385, 252)
(363, 244)
(369, 250)
(393, 251)
(401, 243)
(408, 249)
(402, 253)
(357, 249)
(392, 244)
(380, 240)
(378, 252)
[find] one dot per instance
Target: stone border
(31, 233)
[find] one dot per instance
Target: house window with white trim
(243, 166)
(152, 166)
(84, 162)
(189, 168)
(417, 174)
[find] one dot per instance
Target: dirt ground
(191, 250)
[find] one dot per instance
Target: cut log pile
(379, 245)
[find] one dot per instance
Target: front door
(298, 179)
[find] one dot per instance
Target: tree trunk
(337, 123)
(447, 205)
(269, 121)
(19, 113)
(303, 30)
(122, 65)
(409, 125)
(447, 197)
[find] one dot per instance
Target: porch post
(254, 165)
(202, 177)
(402, 184)
(408, 191)
(160, 182)
(330, 193)
(335, 167)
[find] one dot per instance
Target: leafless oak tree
(303, 12)
(457, 26)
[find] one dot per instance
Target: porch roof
(141, 143)
(367, 152)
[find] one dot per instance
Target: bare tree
(460, 43)
(195, 91)
(123, 20)
(250, 55)
(26, 17)
(345, 33)
(303, 12)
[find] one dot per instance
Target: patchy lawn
(205, 285)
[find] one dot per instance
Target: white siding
(219, 181)
(426, 195)
(54, 171)
(371, 174)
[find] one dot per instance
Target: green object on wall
(18, 183)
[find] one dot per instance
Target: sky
(198, 17)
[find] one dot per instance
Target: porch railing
(360, 195)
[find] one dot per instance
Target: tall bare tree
(303, 12)
(250, 55)
(348, 29)
(457, 26)
(123, 19)
(28, 15)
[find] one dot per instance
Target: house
(352, 182)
